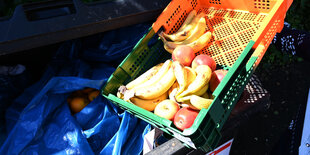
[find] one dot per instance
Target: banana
(202, 91)
(196, 45)
(148, 105)
(203, 77)
(120, 95)
(172, 94)
(144, 77)
(200, 102)
(198, 31)
(121, 92)
(154, 79)
(205, 95)
(169, 46)
(173, 90)
(188, 104)
(201, 42)
(158, 88)
(181, 76)
(174, 86)
(191, 74)
(184, 30)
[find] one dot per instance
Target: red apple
(204, 59)
(184, 54)
(185, 118)
(216, 77)
(167, 109)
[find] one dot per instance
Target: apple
(184, 54)
(216, 77)
(185, 118)
(167, 109)
(204, 59)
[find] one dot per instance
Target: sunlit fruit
(216, 77)
(185, 118)
(204, 59)
(167, 109)
(183, 54)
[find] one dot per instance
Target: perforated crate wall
(231, 29)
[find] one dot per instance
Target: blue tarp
(40, 121)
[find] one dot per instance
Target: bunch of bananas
(169, 80)
(191, 33)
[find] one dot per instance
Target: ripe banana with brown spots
(196, 45)
(185, 30)
(155, 78)
(198, 31)
(144, 77)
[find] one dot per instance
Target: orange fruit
(93, 95)
(77, 104)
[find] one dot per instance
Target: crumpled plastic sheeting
(39, 121)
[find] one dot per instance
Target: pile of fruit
(192, 33)
(176, 89)
(179, 88)
(79, 99)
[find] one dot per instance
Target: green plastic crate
(205, 132)
(242, 39)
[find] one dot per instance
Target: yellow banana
(205, 95)
(144, 77)
(148, 105)
(201, 42)
(184, 30)
(200, 102)
(120, 95)
(169, 46)
(191, 74)
(154, 79)
(202, 79)
(158, 88)
(172, 94)
(187, 103)
(181, 76)
(202, 90)
(196, 45)
(174, 86)
(198, 31)
(173, 90)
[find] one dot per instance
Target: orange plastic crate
(233, 24)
